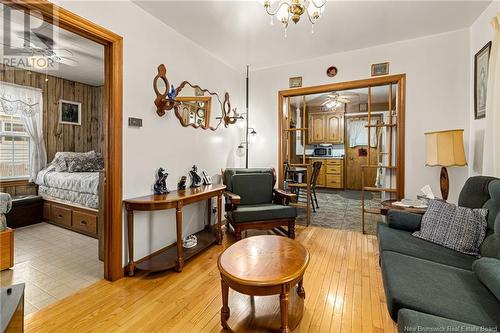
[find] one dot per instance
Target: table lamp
(445, 149)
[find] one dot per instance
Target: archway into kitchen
(352, 133)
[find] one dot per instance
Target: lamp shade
(445, 148)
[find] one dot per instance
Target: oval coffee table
(262, 266)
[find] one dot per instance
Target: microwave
(323, 151)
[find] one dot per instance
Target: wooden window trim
(15, 182)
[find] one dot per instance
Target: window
(14, 148)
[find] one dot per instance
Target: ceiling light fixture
(292, 10)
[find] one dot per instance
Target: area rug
(342, 210)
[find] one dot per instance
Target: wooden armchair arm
(232, 200)
(284, 197)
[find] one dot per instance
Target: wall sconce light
(240, 151)
(252, 135)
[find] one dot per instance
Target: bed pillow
(487, 271)
(458, 228)
(62, 159)
(86, 164)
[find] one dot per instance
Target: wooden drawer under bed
(84, 222)
(76, 218)
(60, 215)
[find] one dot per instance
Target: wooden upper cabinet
(317, 128)
(334, 128)
(326, 128)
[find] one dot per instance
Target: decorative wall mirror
(193, 105)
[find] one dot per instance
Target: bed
(72, 186)
(81, 188)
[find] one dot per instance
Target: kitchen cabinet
(317, 128)
(331, 174)
(334, 128)
(326, 127)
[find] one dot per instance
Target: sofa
(429, 287)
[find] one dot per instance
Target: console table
(173, 256)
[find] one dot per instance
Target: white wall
(162, 141)
(437, 94)
(481, 32)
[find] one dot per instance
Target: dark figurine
(195, 177)
(206, 178)
(160, 186)
(181, 185)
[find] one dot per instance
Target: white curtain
(491, 153)
(358, 133)
(27, 103)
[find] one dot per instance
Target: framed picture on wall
(295, 82)
(70, 112)
(380, 69)
(481, 67)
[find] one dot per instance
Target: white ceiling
(239, 32)
(85, 58)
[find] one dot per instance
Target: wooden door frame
(113, 126)
(400, 79)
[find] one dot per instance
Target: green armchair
(252, 202)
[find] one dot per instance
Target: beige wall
(437, 97)
(162, 141)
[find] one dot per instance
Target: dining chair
(296, 187)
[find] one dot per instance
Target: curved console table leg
(178, 220)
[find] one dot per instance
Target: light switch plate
(135, 122)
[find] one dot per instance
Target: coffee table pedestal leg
(224, 312)
(284, 308)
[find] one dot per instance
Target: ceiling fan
(335, 99)
(41, 50)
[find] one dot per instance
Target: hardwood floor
(343, 286)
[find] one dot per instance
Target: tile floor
(53, 262)
(342, 210)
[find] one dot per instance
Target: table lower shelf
(167, 258)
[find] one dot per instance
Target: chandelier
(292, 10)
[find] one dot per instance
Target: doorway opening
(353, 133)
(77, 96)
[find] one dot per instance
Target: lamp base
(444, 182)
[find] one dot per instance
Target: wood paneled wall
(62, 137)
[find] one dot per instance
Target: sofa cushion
(253, 188)
(441, 290)
(459, 228)
(400, 241)
(491, 245)
(475, 192)
(414, 321)
(249, 213)
(403, 220)
(487, 271)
